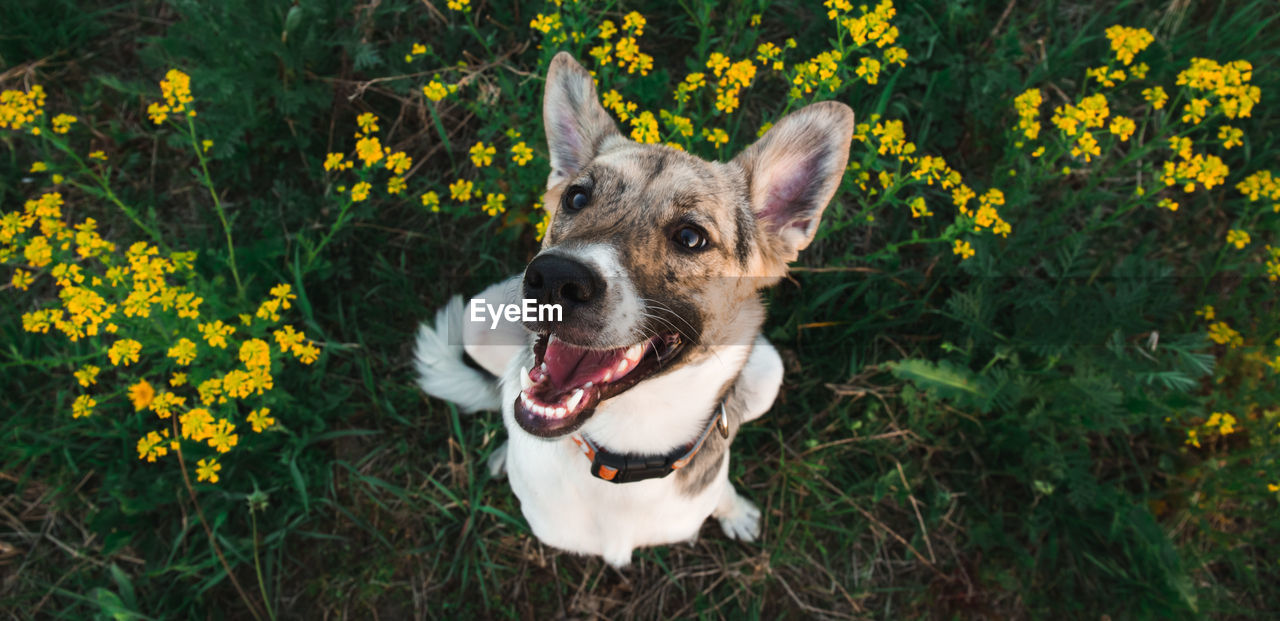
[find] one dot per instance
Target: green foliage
(1039, 430)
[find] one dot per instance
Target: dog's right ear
(575, 121)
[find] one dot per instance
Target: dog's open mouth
(566, 382)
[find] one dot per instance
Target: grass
(988, 438)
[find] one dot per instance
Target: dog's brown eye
(576, 198)
(690, 237)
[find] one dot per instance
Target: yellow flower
(178, 379)
(1122, 127)
(1193, 438)
(540, 229)
(368, 122)
(962, 248)
(124, 351)
(432, 200)
(1167, 203)
(184, 351)
(141, 394)
(207, 470)
(1230, 136)
(918, 208)
(38, 167)
(255, 353)
(398, 162)
(205, 145)
(1194, 111)
(307, 354)
(260, 419)
(1272, 487)
(755, 20)
(607, 29)
(1238, 238)
(165, 402)
(62, 123)
(216, 333)
(493, 204)
(869, 68)
(1087, 146)
(196, 424)
(545, 23)
(98, 155)
(87, 375)
(82, 406)
(21, 279)
(895, 55)
(716, 137)
(221, 436)
(176, 88)
(1127, 42)
(634, 23)
(369, 150)
(1222, 334)
(460, 190)
(1155, 96)
(333, 161)
(521, 153)
(459, 5)
(360, 191)
(1207, 312)
(482, 155)
(434, 90)
(152, 446)
(396, 185)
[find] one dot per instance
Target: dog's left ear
(793, 171)
(575, 121)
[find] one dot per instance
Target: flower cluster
(176, 89)
(20, 109)
(117, 300)
(625, 52)
(139, 319)
(1221, 423)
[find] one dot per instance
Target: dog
(620, 413)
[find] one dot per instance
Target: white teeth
(608, 375)
(588, 384)
(525, 399)
(560, 412)
(525, 382)
(544, 368)
(622, 367)
(634, 352)
(573, 402)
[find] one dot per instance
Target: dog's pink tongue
(570, 366)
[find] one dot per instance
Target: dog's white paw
(741, 519)
(498, 462)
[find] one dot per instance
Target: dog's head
(656, 256)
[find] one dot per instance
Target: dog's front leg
(739, 517)
(760, 380)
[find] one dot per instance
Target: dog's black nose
(552, 279)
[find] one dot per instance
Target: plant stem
(257, 565)
(105, 190)
(217, 205)
(208, 532)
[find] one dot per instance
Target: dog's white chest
(568, 508)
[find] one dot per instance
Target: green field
(1032, 355)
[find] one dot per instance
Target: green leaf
(943, 379)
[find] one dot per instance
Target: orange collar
(617, 468)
